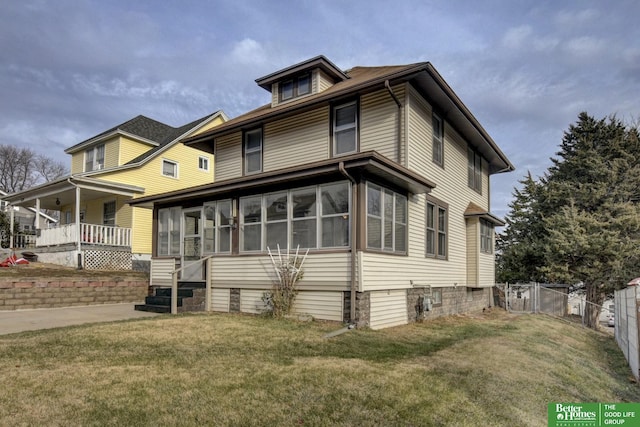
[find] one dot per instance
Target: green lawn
(217, 369)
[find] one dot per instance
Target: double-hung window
(94, 158)
(386, 219)
(486, 236)
(438, 140)
(203, 163)
(169, 231)
(474, 174)
(169, 168)
(345, 129)
(436, 230)
(217, 226)
(109, 213)
(253, 151)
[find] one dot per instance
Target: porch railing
(94, 234)
(24, 241)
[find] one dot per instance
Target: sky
(71, 69)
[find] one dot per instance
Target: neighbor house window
(253, 151)
(438, 140)
(109, 213)
(295, 87)
(203, 163)
(436, 231)
(386, 219)
(486, 236)
(169, 231)
(308, 217)
(169, 168)
(474, 175)
(94, 158)
(345, 129)
(217, 226)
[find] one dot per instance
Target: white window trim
(171, 162)
(95, 166)
(205, 160)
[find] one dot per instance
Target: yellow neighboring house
(97, 228)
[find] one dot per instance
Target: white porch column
(36, 223)
(11, 225)
(78, 228)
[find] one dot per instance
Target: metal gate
(520, 298)
(534, 298)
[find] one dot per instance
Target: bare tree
(22, 168)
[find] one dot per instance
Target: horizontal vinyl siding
(220, 300)
(320, 305)
(473, 248)
(142, 226)
(324, 81)
(77, 162)
(161, 270)
(111, 149)
(130, 149)
(228, 158)
(487, 264)
(304, 136)
(251, 300)
(382, 271)
(388, 308)
(379, 122)
(321, 272)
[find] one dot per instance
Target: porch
(96, 233)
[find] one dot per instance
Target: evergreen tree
(590, 209)
(581, 222)
(518, 247)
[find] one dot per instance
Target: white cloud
(586, 47)
(248, 51)
(516, 37)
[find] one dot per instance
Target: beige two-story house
(381, 172)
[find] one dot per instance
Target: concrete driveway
(45, 318)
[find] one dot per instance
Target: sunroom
(333, 208)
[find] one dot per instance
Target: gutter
(399, 130)
(352, 241)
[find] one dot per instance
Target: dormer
(300, 80)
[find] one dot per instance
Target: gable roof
(362, 80)
(149, 130)
(157, 135)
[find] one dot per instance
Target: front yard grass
(219, 369)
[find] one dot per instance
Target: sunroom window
(295, 218)
(386, 219)
(217, 227)
(169, 231)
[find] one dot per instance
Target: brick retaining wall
(67, 292)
